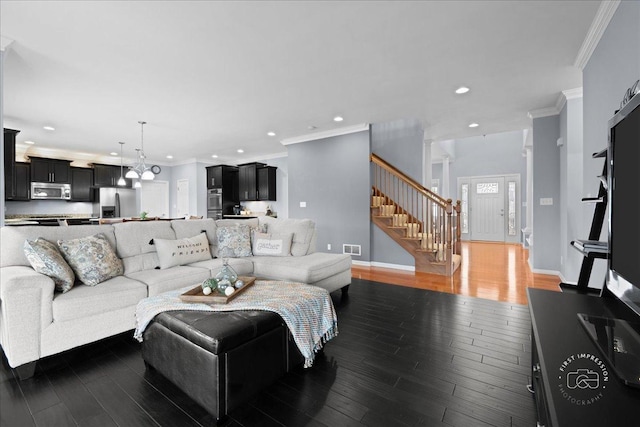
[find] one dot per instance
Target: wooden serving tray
(215, 297)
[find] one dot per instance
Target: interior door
(154, 198)
(487, 209)
(183, 197)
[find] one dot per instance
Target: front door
(487, 209)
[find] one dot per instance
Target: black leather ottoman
(220, 359)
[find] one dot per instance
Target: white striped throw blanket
(307, 311)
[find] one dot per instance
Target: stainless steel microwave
(50, 191)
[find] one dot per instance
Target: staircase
(420, 221)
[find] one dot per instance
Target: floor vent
(352, 249)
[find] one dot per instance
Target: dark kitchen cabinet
(10, 163)
(214, 176)
(22, 182)
(50, 170)
(248, 181)
(267, 183)
(108, 176)
(81, 185)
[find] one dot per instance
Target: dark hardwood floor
(404, 357)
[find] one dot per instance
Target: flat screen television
(624, 204)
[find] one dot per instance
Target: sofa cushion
(308, 269)
(189, 228)
(234, 241)
(159, 281)
(242, 266)
(12, 238)
(182, 251)
(92, 258)
(134, 237)
(135, 245)
(45, 258)
(271, 244)
(83, 301)
(302, 230)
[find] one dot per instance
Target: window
(512, 207)
(487, 188)
(464, 208)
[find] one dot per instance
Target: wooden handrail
(413, 183)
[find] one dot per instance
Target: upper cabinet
(50, 170)
(10, 163)
(248, 181)
(214, 176)
(257, 181)
(108, 176)
(81, 185)
(23, 182)
(267, 183)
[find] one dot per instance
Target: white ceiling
(212, 77)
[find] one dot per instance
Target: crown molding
(325, 134)
(4, 43)
(543, 112)
(598, 26)
(566, 95)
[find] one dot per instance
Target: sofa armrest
(26, 299)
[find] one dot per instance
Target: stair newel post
(449, 247)
(458, 246)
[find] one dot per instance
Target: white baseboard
(564, 280)
(542, 271)
(384, 265)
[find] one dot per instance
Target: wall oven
(214, 203)
(50, 191)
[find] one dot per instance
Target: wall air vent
(353, 250)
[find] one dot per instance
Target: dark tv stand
(573, 384)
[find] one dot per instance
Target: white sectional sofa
(36, 321)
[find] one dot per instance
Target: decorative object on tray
(227, 276)
(209, 291)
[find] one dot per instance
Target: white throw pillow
(272, 244)
(182, 251)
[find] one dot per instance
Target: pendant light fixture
(140, 170)
(121, 181)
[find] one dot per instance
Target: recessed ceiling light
(113, 153)
(271, 133)
(474, 125)
(462, 89)
(215, 156)
(48, 128)
(240, 150)
(29, 142)
(169, 156)
(338, 119)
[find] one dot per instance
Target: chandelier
(140, 169)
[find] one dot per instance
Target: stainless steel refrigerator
(116, 203)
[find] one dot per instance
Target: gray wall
(400, 143)
(332, 176)
(544, 254)
(612, 68)
(571, 192)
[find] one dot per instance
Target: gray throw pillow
(45, 258)
(91, 258)
(271, 244)
(182, 251)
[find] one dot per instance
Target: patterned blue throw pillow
(92, 259)
(45, 258)
(234, 241)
